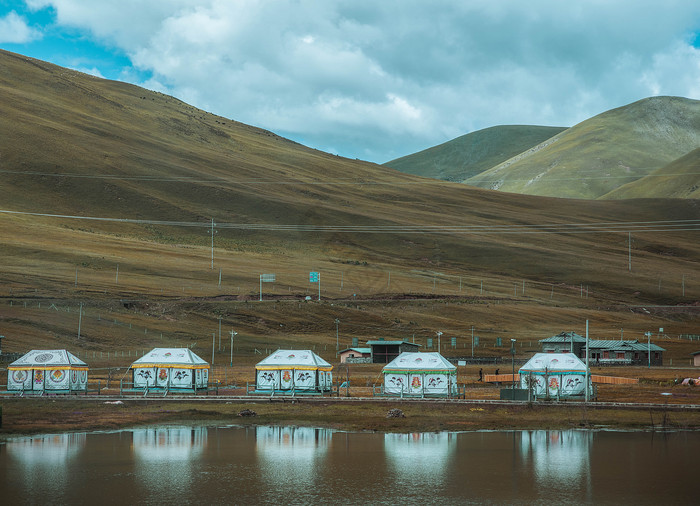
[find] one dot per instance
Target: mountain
(678, 179)
(473, 153)
(142, 209)
(610, 150)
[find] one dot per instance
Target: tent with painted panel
(421, 374)
(555, 375)
(170, 368)
(57, 371)
(293, 370)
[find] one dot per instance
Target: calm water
(288, 465)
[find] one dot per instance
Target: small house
(564, 342)
(356, 356)
(696, 358)
(56, 371)
(293, 371)
(170, 368)
(420, 374)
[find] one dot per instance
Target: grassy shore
(42, 415)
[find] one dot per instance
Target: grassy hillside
(598, 155)
(108, 192)
(678, 179)
(473, 153)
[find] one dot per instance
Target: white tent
(414, 373)
(555, 375)
(47, 370)
(293, 370)
(170, 368)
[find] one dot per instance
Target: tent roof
(159, 357)
(393, 343)
(47, 359)
(293, 358)
(420, 361)
(554, 362)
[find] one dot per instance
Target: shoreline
(25, 417)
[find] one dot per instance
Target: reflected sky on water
(302, 465)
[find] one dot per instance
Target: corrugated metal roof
(390, 342)
(564, 337)
(358, 350)
(616, 344)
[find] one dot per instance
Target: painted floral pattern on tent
(416, 383)
(19, 376)
(57, 376)
(38, 377)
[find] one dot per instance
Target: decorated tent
(170, 368)
(47, 370)
(414, 373)
(298, 370)
(555, 375)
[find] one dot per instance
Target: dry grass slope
(80, 146)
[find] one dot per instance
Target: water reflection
(558, 458)
(291, 456)
(301, 465)
(44, 460)
(420, 457)
(166, 458)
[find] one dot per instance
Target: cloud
(14, 30)
(380, 80)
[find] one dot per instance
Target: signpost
(315, 277)
(265, 278)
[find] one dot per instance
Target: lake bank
(23, 416)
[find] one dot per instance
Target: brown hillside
(399, 255)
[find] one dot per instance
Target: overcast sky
(375, 79)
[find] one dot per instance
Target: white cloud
(383, 79)
(14, 30)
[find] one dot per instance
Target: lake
(301, 465)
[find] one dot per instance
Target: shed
(168, 368)
(356, 355)
(413, 373)
(293, 370)
(696, 358)
(555, 375)
(47, 371)
(384, 352)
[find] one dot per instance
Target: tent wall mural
(47, 370)
(170, 368)
(298, 370)
(414, 373)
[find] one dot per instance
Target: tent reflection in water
(293, 370)
(55, 371)
(170, 368)
(420, 374)
(555, 375)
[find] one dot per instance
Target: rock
(395, 413)
(247, 412)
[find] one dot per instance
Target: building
(696, 358)
(420, 374)
(356, 356)
(56, 371)
(170, 368)
(384, 352)
(604, 351)
(564, 342)
(293, 371)
(555, 375)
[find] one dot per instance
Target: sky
(371, 79)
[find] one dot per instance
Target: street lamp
(512, 362)
(648, 334)
(232, 334)
(439, 349)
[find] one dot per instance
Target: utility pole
(629, 251)
(337, 344)
(232, 334)
(213, 343)
(80, 319)
(439, 348)
(212, 244)
(219, 333)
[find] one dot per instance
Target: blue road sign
(313, 277)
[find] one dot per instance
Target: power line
(552, 228)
